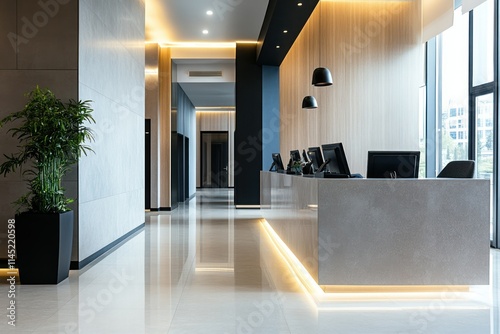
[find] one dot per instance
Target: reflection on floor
(208, 268)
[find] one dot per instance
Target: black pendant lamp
(309, 102)
(322, 77)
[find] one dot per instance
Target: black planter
(44, 243)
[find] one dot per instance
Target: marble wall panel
(111, 74)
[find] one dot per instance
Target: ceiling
(207, 92)
(177, 21)
(181, 23)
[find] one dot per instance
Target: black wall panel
(248, 134)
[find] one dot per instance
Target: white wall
(111, 73)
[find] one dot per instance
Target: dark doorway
(147, 166)
(186, 168)
(214, 159)
(180, 168)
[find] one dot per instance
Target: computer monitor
(295, 155)
(335, 159)
(305, 157)
(393, 164)
(277, 162)
(315, 156)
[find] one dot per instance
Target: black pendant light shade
(322, 77)
(309, 102)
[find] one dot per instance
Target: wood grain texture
(164, 165)
(153, 113)
(373, 51)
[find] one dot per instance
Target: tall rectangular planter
(44, 245)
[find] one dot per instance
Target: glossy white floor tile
(208, 268)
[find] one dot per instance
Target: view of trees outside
(453, 104)
(453, 113)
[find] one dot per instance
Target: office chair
(458, 169)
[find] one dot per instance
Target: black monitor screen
(393, 164)
(295, 155)
(337, 161)
(315, 156)
(277, 161)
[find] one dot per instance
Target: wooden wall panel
(152, 111)
(373, 52)
(165, 127)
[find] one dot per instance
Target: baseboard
(154, 209)
(165, 209)
(78, 265)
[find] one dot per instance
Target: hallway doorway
(214, 159)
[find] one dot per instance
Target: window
(453, 97)
(462, 86)
(483, 43)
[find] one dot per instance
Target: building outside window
(465, 110)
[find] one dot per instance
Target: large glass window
(453, 97)
(485, 144)
(422, 134)
(483, 37)
(465, 104)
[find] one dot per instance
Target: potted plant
(52, 137)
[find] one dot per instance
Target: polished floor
(208, 268)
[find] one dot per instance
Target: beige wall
(165, 124)
(373, 50)
(158, 109)
(153, 113)
(216, 121)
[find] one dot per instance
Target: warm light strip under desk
(339, 294)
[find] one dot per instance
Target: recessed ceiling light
(277, 46)
(285, 31)
(209, 12)
(299, 4)
(205, 32)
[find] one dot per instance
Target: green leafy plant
(51, 138)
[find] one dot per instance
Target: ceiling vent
(205, 73)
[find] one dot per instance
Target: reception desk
(372, 232)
